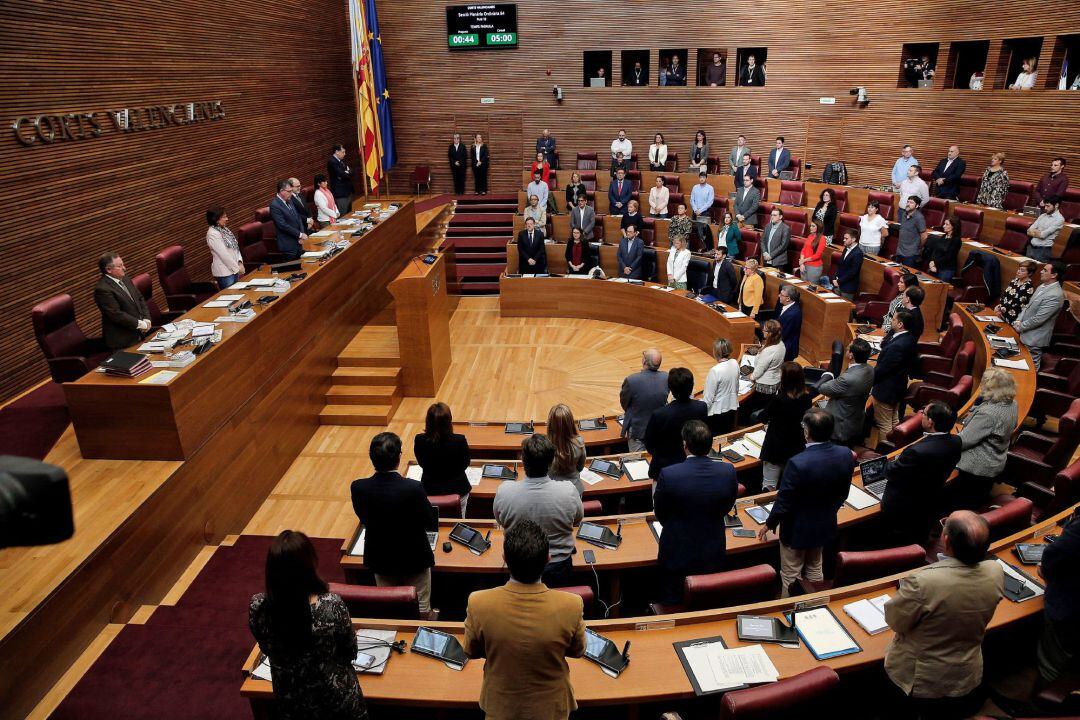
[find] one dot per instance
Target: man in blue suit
(289, 224)
(779, 158)
(619, 193)
(899, 354)
(846, 277)
(532, 253)
(631, 254)
(814, 485)
(789, 314)
(663, 434)
(690, 502)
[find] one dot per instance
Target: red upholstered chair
(556, 163)
(449, 505)
(1070, 205)
(797, 221)
(954, 396)
(926, 175)
(846, 221)
(1019, 195)
(764, 213)
(588, 179)
(672, 183)
(368, 601)
(180, 292)
(1006, 519)
(1015, 237)
(969, 188)
(733, 587)
(808, 694)
(716, 212)
(859, 566)
(755, 162)
(308, 193)
(796, 168)
(252, 248)
(950, 341)
(840, 198)
(763, 187)
(945, 370)
(873, 306)
(886, 203)
(1052, 499)
(908, 431)
(67, 349)
(146, 289)
(675, 199)
(934, 212)
(1063, 379)
(1034, 455)
(421, 177)
(715, 164)
(792, 192)
(588, 597)
(970, 287)
(586, 161)
(795, 247)
(672, 164)
(553, 180)
(648, 231)
(592, 508)
(263, 214)
(750, 243)
(634, 176)
(971, 220)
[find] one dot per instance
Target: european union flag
(382, 94)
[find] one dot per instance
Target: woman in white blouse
(658, 198)
(678, 258)
(324, 202)
(722, 389)
(872, 229)
(1026, 79)
(658, 153)
(766, 375)
(226, 263)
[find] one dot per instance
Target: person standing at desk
(326, 206)
(722, 389)
(680, 225)
(458, 157)
(532, 252)
(723, 278)
(751, 289)
(677, 263)
(813, 486)
(340, 179)
(443, 455)
(873, 229)
(747, 201)
(848, 393)
(729, 235)
(1053, 184)
(1059, 645)
(637, 76)
(985, 439)
(632, 216)
(784, 435)
(396, 516)
(575, 189)
(630, 255)
(766, 374)
(939, 616)
(746, 168)
(641, 394)
(691, 500)
(569, 447)
(779, 158)
(305, 632)
(663, 435)
(994, 184)
(898, 356)
(1018, 294)
(658, 153)
(751, 74)
(675, 73)
(226, 263)
(525, 632)
(947, 174)
(619, 193)
(537, 213)
(659, 197)
(583, 218)
(125, 317)
(301, 206)
(580, 257)
(775, 238)
(714, 73)
(546, 144)
(287, 222)
(699, 153)
(913, 234)
(789, 315)
(810, 262)
(941, 251)
(701, 202)
(478, 157)
(825, 214)
(621, 145)
(846, 277)
(900, 167)
(1036, 321)
(1044, 231)
(912, 186)
(735, 157)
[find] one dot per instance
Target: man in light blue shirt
(539, 188)
(900, 168)
(701, 201)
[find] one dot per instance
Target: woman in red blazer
(810, 257)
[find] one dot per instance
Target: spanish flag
(367, 119)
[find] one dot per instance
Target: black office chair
(648, 264)
(697, 274)
(836, 362)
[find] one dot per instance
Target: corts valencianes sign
(49, 128)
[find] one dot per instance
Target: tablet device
(592, 424)
(606, 467)
(758, 513)
(603, 652)
(469, 537)
(517, 428)
(439, 645)
(1029, 553)
(498, 472)
(598, 535)
(753, 628)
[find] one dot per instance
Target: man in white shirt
(539, 188)
(913, 186)
(621, 145)
(1044, 231)
(900, 167)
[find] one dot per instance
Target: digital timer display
(475, 27)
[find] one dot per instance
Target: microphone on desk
(626, 652)
(618, 530)
(487, 538)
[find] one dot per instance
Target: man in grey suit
(735, 157)
(775, 238)
(642, 393)
(287, 221)
(848, 393)
(747, 200)
(584, 217)
(1036, 322)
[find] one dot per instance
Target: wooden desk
(124, 419)
(824, 319)
(491, 441)
(655, 673)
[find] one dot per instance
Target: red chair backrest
(145, 286)
(449, 505)
(859, 566)
(172, 274)
(672, 183)
(588, 179)
(796, 168)
(971, 220)
(885, 202)
(675, 199)
(1068, 435)
(1015, 238)
(810, 690)
(797, 221)
(399, 602)
(934, 212)
(733, 587)
(672, 162)
(906, 432)
(586, 161)
(1070, 205)
(965, 359)
(1009, 518)
(421, 174)
(755, 162)
(252, 248)
(1019, 195)
(55, 328)
(969, 188)
(890, 285)
(960, 392)
(588, 597)
(1066, 488)
(953, 335)
(844, 222)
(263, 214)
(792, 192)
(592, 508)
(840, 198)
(763, 187)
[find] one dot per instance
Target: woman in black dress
(306, 633)
(784, 437)
(940, 252)
(825, 214)
(573, 190)
(580, 259)
(443, 454)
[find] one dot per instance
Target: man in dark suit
(663, 434)
(125, 318)
(546, 144)
(916, 477)
(619, 193)
(479, 156)
(779, 158)
(287, 221)
(1059, 646)
(458, 157)
(848, 393)
(789, 314)
(340, 175)
(532, 255)
(396, 517)
(723, 283)
(846, 279)
(751, 74)
(636, 76)
(912, 302)
(583, 217)
(675, 73)
(747, 201)
(814, 485)
(690, 501)
(640, 395)
(298, 203)
(899, 353)
(947, 174)
(631, 254)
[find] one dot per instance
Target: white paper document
(230, 298)
(1020, 364)
(869, 613)
(1010, 570)
(734, 315)
(217, 304)
(474, 474)
(747, 360)
(589, 477)
(322, 233)
(358, 547)
(828, 295)
(988, 318)
(260, 282)
(637, 469)
(835, 300)
(718, 668)
(244, 285)
(977, 244)
(152, 347)
(162, 377)
(859, 498)
(745, 386)
(314, 254)
(414, 472)
(823, 633)
(658, 528)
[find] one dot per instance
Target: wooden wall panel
(283, 73)
(814, 50)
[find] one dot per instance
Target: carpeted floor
(430, 202)
(184, 663)
(31, 425)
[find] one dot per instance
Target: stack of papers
(747, 360)
(322, 233)
(414, 472)
(358, 547)
(988, 318)
(734, 314)
(870, 614)
(153, 347)
(474, 475)
(1020, 364)
(217, 304)
(859, 498)
(261, 282)
(162, 377)
(718, 668)
(828, 296)
(745, 386)
(637, 469)
(977, 244)
(240, 317)
(314, 254)
(589, 477)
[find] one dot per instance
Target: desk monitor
(597, 82)
(439, 645)
(606, 467)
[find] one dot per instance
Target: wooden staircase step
(366, 376)
(363, 395)
(358, 358)
(356, 414)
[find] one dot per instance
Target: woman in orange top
(810, 257)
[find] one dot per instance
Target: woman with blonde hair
(985, 437)
(770, 358)
(994, 184)
(569, 447)
(1027, 77)
(677, 263)
(722, 389)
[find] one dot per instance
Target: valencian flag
(372, 97)
(382, 94)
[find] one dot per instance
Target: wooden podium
(423, 326)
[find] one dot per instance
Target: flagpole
(354, 65)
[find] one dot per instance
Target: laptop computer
(873, 476)
(787, 175)
(926, 83)
(433, 535)
(597, 82)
